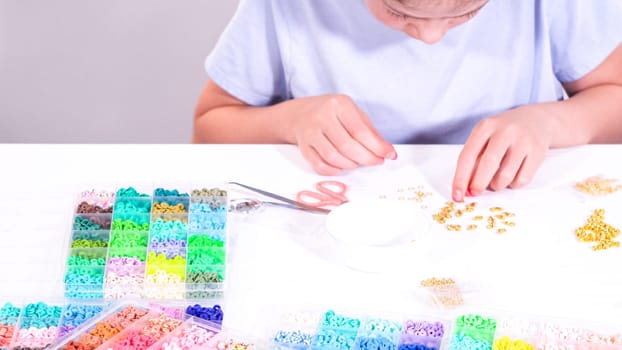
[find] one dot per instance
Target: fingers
(361, 130)
(335, 134)
(528, 169)
(375, 143)
(488, 165)
(349, 147)
(467, 161)
(316, 161)
(498, 164)
(508, 170)
(332, 155)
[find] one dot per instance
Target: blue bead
(214, 313)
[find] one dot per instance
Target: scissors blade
(283, 199)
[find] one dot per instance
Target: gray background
(113, 71)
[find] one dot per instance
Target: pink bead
(189, 338)
(35, 337)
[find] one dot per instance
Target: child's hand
(334, 134)
(503, 151)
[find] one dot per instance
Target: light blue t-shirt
(514, 52)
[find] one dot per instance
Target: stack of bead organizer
(36, 325)
(132, 325)
(167, 244)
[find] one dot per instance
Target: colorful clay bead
(465, 342)
(189, 338)
(74, 315)
(375, 343)
(161, 192)
(87, 243)
(129, 192)
(91, 222)
(87, 208)
(214, 313)
(293, 338)
(505, 343)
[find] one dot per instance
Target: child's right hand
(334, 134)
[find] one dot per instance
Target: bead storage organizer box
(337, 330)
(505, 331)
(134, 325)
(37, 324)
(160, 244)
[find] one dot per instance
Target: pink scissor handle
(333, 189)
(326, 195)
(314, 199)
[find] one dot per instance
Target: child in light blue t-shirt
(344, 79)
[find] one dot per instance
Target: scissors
(329, 193)
(246, 205)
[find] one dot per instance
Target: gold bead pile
(415, 194)
(599, 232)
(451, 212)
(598, 186)
(444, 290)
(433, 282)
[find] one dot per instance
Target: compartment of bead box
(168, 244)
(143, 333)
(38, 325)
(498, 331)
(88, 245)
(9, 318)
(356, 330)
(192, 333)
(43, 322)
(88, 250)
(424, 332)
(134, 325)
(99, 330)
(473, 331)
(195, 333)
(516, 332)
(295, 330)
(207, 310)
(568, 334)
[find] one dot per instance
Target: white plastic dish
(376, 235)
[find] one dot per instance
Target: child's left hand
(503, 151)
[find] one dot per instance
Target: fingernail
(458, 196)
(392, 155)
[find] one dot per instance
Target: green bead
(86, 243)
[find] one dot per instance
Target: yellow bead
(597, 231)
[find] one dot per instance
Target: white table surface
(282, 258)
